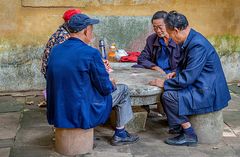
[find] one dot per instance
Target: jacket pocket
(202, 98)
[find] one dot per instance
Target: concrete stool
(208, 127)
(73, 141)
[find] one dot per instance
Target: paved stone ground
(24, 132)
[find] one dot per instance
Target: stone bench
(209, 127)
(73, 141)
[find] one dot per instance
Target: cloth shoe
(183, 140)
(128, 139)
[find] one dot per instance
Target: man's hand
(157, 68)
(171, 75)
(113, 81)
(157, 82)
(107, 66)
(106, 63)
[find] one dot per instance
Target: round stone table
(137, 80)
(141, 93)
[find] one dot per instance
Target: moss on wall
(26, 27)
(226, 44)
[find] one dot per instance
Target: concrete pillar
(209, 127)
(73, 141)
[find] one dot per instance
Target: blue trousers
(171, 108)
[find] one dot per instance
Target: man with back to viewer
(199, 85)
(58, 37)
(80, 93)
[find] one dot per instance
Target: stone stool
(208, 127)
(73, 141)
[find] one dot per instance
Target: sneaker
(129, 139)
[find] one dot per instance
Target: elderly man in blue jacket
(80, 93)
(199, 85)
(160, 53)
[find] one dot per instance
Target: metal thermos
(102, 49)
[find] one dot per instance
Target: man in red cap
(58, 37)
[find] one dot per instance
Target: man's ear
(176, 30)
(85, 31)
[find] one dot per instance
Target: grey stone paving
(9, 104)
(4, 152)
(4, 143)
(9, 124)
(25, 133)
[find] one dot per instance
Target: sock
(189, 131)
(176, 127)
(121, 133)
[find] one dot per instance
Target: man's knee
(123, 88)
(169, 96)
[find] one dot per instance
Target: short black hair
(159, 15)
(176, 20)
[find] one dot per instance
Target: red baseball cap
(69, 13)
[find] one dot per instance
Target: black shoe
(183, 140)
(118, 141)
(175, 130)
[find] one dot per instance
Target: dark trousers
(170, 104)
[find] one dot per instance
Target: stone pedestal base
(160, 108)
(137, 123)
(209, 127)
(73, 141)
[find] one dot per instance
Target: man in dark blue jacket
(80, 93)
(199, 85)
(161, 53)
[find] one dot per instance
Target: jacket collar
(76, 39)
(156, 41)
(189, 38)
(170, 43)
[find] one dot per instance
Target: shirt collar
(64, 26)
(170, 42)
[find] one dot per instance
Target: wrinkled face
(175, 35)
(159, 27)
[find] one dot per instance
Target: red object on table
(132, 57)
